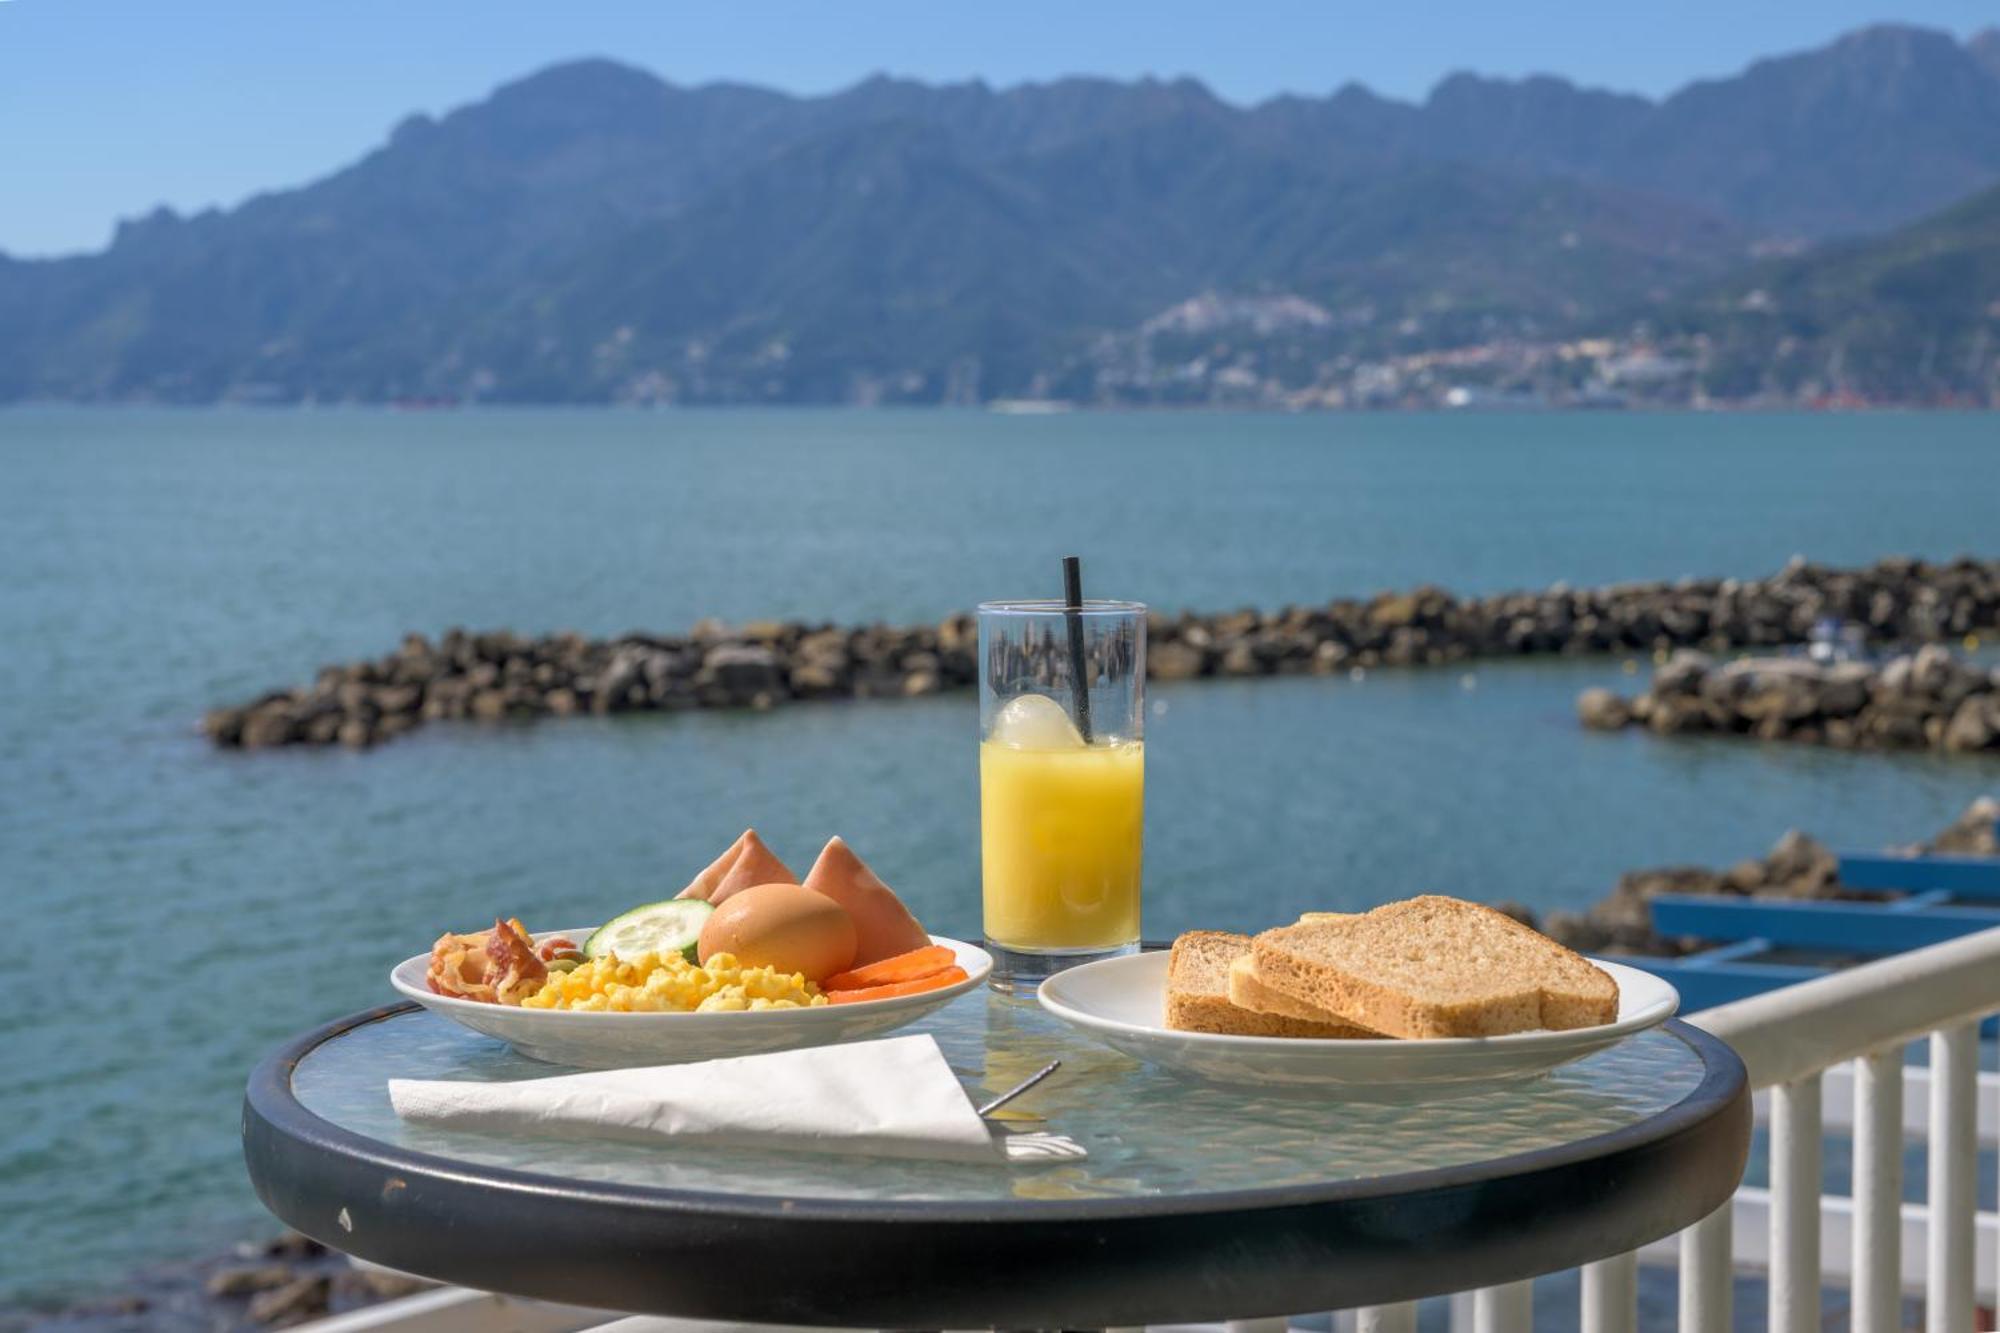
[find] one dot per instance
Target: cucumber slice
(673, 926)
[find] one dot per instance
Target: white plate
(587, 1040)
(1120, 1001)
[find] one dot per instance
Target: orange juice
(1060, 833)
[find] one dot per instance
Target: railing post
(1386, 1318)
(1708, 1272)
(1611, 1295)
(1509, 1308)
(1954, 1185)
(1878, 1192)
(1795, 1191)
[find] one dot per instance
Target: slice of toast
(1436, 967)
(1247, 990)
(1198, 993)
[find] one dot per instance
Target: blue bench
(1765, 943)
(1973, 877)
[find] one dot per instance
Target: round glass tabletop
(1148, 1132)
(1194, 1201)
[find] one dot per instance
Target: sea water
(175, 911)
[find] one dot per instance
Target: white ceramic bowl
(1120, 1001)
(587, 1040)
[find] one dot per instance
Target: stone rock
(958, 634)
(1843, 690)
(293, 1245)
(1670, 716)
(1390, 610)
(1931, 669)
(1330, 657)
(1894, 730)
(224, 726)
(741, 672)
(1780, 699)
(878, 682)
(1973, 833)
(1800, 866)
(1682, 673)
(356, 733)
(1602, 710)
(1746, 876)
(817, 679)
(1173, 661)
(1971, 726)
(272, 725)
(1239, 659)
(243, 1280)
(398, 698)
(380, 1284)
(297, 1301)
(488, 705)
(1576, 931)
(1894, 678)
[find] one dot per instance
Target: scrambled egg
(671, 984)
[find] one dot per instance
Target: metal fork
(1021, 1087)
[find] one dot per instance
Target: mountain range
(1910, 316)
(593, 233)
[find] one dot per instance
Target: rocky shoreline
(1797, 867)
(277, 1283)
(1928, 699)
(503, 675)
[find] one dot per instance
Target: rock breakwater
(499, 675)
(1926, 699)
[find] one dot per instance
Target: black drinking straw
(1079, 680)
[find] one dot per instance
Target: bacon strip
(497, 966)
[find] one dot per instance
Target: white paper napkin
(891, 1098)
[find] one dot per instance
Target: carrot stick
(903, 967)
(935, 981)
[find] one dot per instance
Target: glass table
(1196, 1200)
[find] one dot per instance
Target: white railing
(1824, 1056)
(1789, 1039)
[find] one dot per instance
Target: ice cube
(1035, 722)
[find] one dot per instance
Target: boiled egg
(783, 926)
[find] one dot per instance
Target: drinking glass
(1062, 783)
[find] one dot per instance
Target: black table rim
(1025, 1263)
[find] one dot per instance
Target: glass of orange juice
(1062, 783)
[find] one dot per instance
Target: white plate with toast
(1122, 1002)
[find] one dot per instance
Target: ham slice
(883, 927)
(747, 862)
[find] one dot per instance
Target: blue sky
(110, 107)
